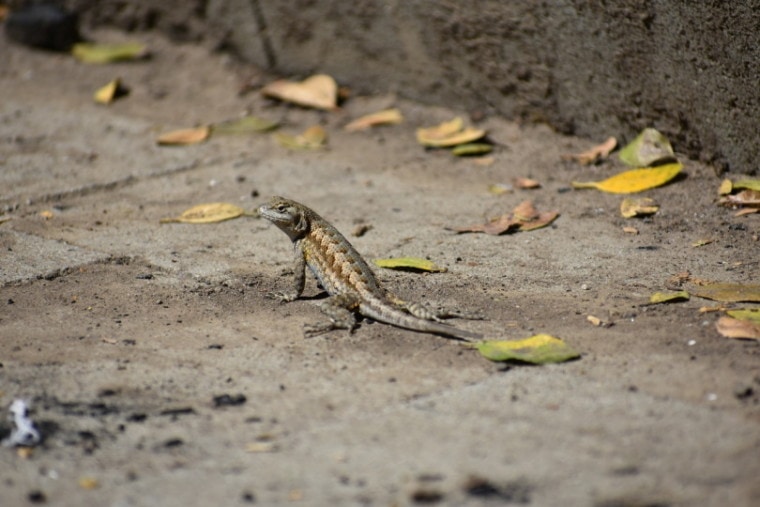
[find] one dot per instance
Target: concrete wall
(589, 67)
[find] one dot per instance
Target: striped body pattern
(346, 277)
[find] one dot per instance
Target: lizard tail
(388, 315)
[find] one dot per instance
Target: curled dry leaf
(525, 217)
(319, 91)
(630, 230)
(106, 53)
(313, 138)
(110, 92)
(649, 147)
(735, 328)
(526, 183)
(598, 152)
(630, 208)
(207, 213)
(385, 117)
(702, 242)
(410, 263)
(447, 134)
(538, 349)
(748, 198)
(635, 180)
(184, 136)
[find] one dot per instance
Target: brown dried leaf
(385, 117)
(523, 218)
(447, 134)
(744, 198)
(735, 328)
(598, 152)
(184, 136)
(526, 183)
(630, 230)
(630, 208)
(319, 91)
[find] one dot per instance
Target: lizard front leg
(299, 278)
(340, 310)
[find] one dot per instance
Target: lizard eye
(282, 208)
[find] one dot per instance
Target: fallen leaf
(313, 138)
(702, 242)
(649, 147)
(635, 180)
(472, 149)
(500, 188)
(598, 152)
(630, 208)
(630, 230)
(747, 184)
(244, 125)
(207, 213)
(523, 218)
(735, 328)
(47, 214)
(708, 309)
(746, 211)
(319, 91)
(750, 314)
(728, 292)
(668, 297)
(595, 321)
(447, 134)
(261, 447)
(411, 263)
(538, 349)
(88, 483)
(525, 183)
(484, 161)
(184, 136)
(725, 187)
(106, 53)
(110, 92)
(385, 117)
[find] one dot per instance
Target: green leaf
(538, 349)
(471, 149)
(750, 314)
(747, 184)
(728, 292)
(411, 263)
(649, 147)
(668, 297)
(106, 53)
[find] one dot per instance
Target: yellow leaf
(244, 125)
(702, 242)
(668, 297)
(413, 263)
(207, 213)
(750, 314)
(630, 208)
(747, 184)
(184, 136)
(598, 152)
(472, 149)
(728, 292)
(735, 328)
(319, 91)
(447, 134)
(538, 349)
(88, 483)
(385, 117)
(635, 180)
(106, 53)
(312, 138)
(109, 92)
(725, 187)
(500, 188)
(649, 147)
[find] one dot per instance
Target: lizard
(343, 273)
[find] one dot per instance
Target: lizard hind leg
(340, 310)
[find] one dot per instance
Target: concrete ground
(126, 334)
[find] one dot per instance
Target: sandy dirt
(160, 374)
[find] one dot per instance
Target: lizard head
(288, 215)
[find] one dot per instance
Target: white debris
(24, 433)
